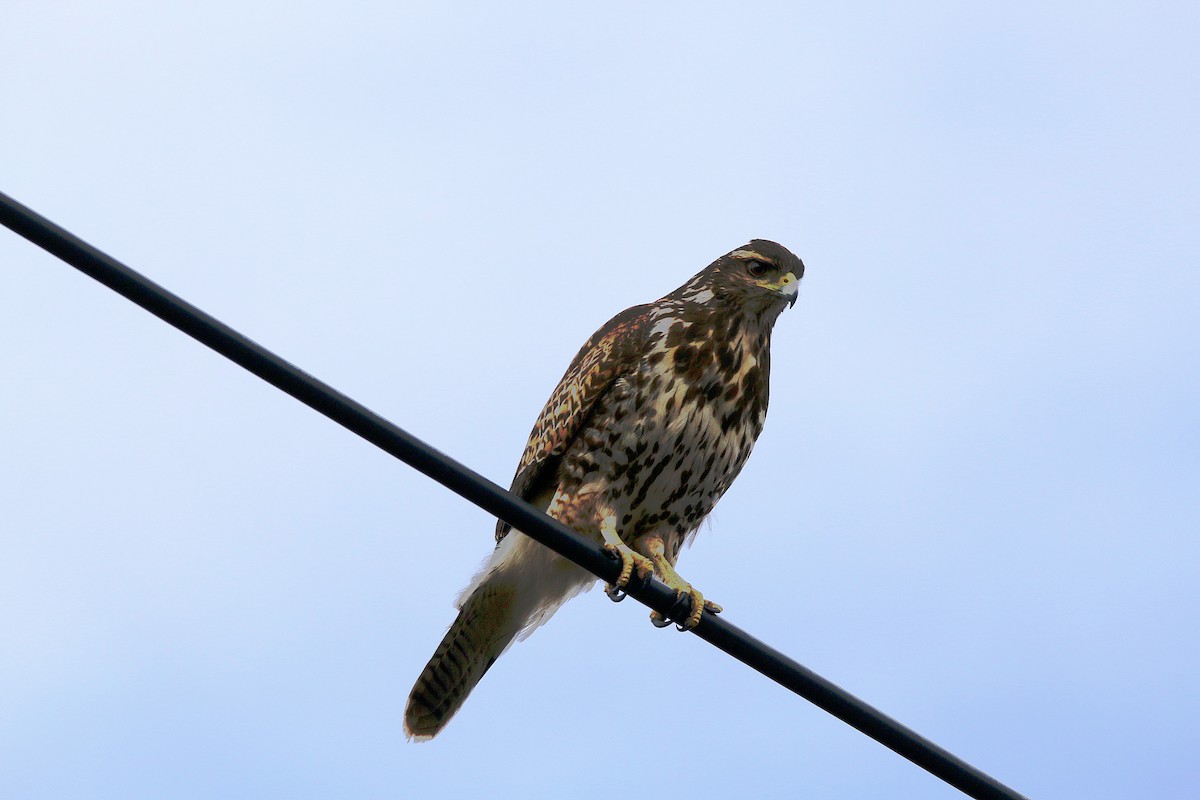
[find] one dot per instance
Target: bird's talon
(681, 610)
(631, 564)
(697, 606)
(624, 555)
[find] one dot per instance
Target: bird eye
(756, 268)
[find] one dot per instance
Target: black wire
(492, 498)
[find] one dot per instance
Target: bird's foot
(631, 562)
(688, 600)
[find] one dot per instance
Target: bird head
(759, 274)
(760, 277)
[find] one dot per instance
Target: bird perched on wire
(646, 430)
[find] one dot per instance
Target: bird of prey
(649, 426)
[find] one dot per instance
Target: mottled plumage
(649, 426)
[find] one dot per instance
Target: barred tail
(485, 626)
(518, 589)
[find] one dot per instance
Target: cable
(492, 498)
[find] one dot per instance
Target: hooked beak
(790, 288)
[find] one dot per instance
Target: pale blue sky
(974, 503)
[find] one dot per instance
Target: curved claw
(689, 606)
(695, 610)
(681, 610)
(633, 565)
(626, 567)
(704, 605)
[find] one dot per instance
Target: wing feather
(611, 352)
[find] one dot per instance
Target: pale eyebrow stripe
(749, 254)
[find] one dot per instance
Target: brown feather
(610, 352)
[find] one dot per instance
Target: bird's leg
(629, 559)
(654, 547)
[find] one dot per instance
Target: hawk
(649, 426)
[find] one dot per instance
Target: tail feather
(483, 629)
(518, 589)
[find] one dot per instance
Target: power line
(492, 498)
